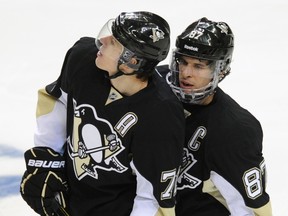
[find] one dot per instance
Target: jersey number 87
(253, 181)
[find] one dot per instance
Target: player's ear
(133, 61)
(126, 68)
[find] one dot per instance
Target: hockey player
(223, 170)
(110, 131)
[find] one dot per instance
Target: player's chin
(99, 63)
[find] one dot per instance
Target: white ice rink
(35, 35)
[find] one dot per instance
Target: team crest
(94, 145)
(223, 26)
(157, 34)
(185, 180)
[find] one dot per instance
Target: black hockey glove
(43, 184)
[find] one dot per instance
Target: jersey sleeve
(157, 156)
(51, 112)
(51, 120)
(238, 170)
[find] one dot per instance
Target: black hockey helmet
(203, 39)
(206, 39)
(144, 33)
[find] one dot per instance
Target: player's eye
(200, 66)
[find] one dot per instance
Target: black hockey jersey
(223, 170)
(123, 153)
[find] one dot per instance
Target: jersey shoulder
(163, 94)
(163, 70)
(232, 114)
(79, 57)
(83, 49)
(234, 126)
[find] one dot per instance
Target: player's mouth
(186, 85)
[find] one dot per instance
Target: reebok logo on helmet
(191, 48)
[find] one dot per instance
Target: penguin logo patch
(157, 34)
(94, 144)
(185, 180)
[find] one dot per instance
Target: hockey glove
(43, 184)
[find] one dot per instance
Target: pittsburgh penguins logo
(157, 34)
(94, 145)
(185, 180)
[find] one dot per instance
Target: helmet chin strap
(124, 59)
(120, 73)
